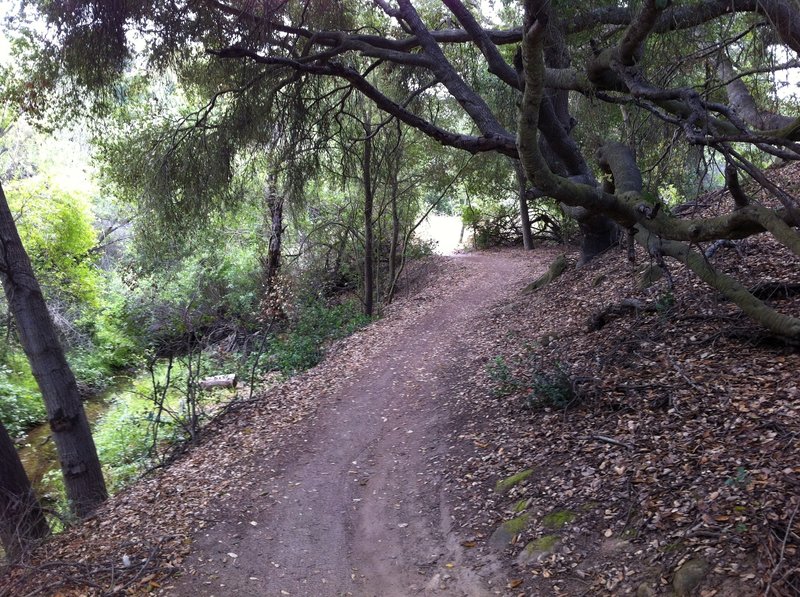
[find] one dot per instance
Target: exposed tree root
(556, 268)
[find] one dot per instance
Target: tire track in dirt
(356, 503)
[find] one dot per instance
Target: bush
(317, 324)
(21, 406)
(551, 390)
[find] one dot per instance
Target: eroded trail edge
(353, 499)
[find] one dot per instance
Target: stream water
(38, 450)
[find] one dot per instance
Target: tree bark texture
(83, 477)
(524, 216)
(369, 200)
(395, 240)
(21, 518)
(275, 206)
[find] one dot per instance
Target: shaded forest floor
(560, 442)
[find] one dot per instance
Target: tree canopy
(615, 110)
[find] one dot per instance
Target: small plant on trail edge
(740, 479)
(665, 303)
(504, 381)
(552, 390)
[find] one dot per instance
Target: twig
(680, 372)
(783, 550)
(612, 441)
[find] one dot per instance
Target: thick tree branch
(501, 143)
(497, 64)
(472, 103)
(742, 101)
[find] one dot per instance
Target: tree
(557, 56)
(21, 518)
(83, 477)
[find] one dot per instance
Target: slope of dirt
(663, 441)
(332, 483)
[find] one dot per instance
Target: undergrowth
(540, 384)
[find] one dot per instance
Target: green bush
(317, 324)
(552, 390)
(21, 405)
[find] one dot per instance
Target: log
(218, 381)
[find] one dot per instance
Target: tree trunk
(275, 206)
(369, 277)
(21, 517)
(524, 216)
(395, 241)
(83, 477)
(598, 234)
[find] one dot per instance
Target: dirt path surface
(354, 501)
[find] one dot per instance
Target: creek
(37, 450)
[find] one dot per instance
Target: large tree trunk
(83, 477)
(524, 216)
(21, 517)
(598, 234)
(369, 200)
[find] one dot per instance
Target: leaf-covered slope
(663, 419)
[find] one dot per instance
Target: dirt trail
(355, 503)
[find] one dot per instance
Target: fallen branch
(782, 554)
(600, 319)
(610, 440)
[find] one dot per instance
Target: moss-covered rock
(504, 485)
(689, 576)
(537, 550)
(506, 532)
(521, 505)
(558, 518)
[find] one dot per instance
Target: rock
(689, 576)
(521, 505)
(645, 590)
(558, 518)
(536, 551)
(503, 485)
(505, 533)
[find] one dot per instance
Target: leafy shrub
(21, 406)
(504, 382)
(552, 390)
(542, 386)
(317, 324)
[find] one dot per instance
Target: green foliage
(540, 385)
(20, 404)
(493, 224)
(500, 374)
(740, 479)
(553, 389)
(121, 437)
(317, 325)
(665, 303)
(56, 228)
